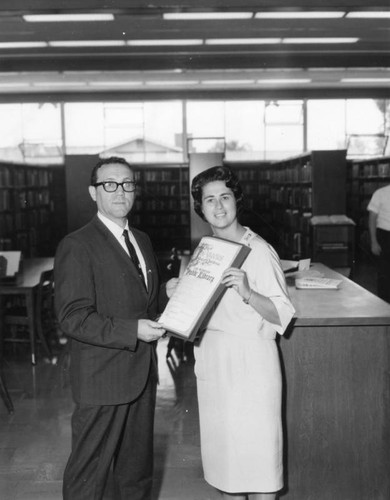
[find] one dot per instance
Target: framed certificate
(200, 285)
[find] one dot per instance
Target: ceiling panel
(129, 66)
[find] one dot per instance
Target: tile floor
(35, 440)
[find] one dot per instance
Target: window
(205, 126)
(138, 131)
(326, 124)
(31, 133)
(365, 127)
(244, 130)
(283, 129)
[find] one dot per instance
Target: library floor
(35, 440)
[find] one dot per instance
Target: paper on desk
(291, 265)
(306, 273)
(13, 262)
(315, 283)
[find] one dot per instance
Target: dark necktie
(133, 254)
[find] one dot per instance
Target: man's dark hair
(107, 161)
(219, 173)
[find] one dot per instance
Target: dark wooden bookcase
(29, 199)
(162, 206)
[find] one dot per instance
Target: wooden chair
(16, 319)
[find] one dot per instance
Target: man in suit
(107, 300)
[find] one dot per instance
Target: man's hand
(149, 330)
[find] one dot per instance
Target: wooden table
(26, 285)
(336, 367)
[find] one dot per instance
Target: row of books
(24, 176)
(248, 174)
(161, 189)
(255, 189)
(5, 200)
(10, 200)
(171, 219)
(6, 223)
(31, 218)
(164, 175)
(368, 188)
(165, 204)
(298, 173)
(381, 169)
(5, 177)
(292, 197)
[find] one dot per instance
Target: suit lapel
(149, 264)
(117, 247)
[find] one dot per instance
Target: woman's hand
(171, 285)
(237, 279)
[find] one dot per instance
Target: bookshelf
(254, 179)
(26, 209)
(301, 187)
(282, 197)
(364, 176)
(162, 206)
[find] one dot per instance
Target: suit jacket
(99, 299)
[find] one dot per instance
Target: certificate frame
(200, 285)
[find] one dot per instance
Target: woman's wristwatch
(246, 301)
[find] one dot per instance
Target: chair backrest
(45, 293)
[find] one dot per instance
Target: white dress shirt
(117, 231)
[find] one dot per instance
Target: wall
(198, 163)
(80, 206)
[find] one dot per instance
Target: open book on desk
(316, 283)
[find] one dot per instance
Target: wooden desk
(26, 286)
(336, 366)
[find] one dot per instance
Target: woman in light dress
(237, 364)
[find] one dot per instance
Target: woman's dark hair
(218, 173)
(107, 161)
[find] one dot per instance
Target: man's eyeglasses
(112, 186)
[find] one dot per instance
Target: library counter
(349, 305)
(336, 368)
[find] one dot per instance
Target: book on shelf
(200, 285)
(316, 283)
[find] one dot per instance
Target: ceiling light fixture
(320, 40)
(61, 18)
(109, 83)
(14, 84)
(242, 41)
(22, 45)
(384, 14)
(300, 15)
(194, 16)
(365, 80)
(227, 82)
(152, 43)
(59, 84)
(171, 82)
(87, 43)
(283, 81)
